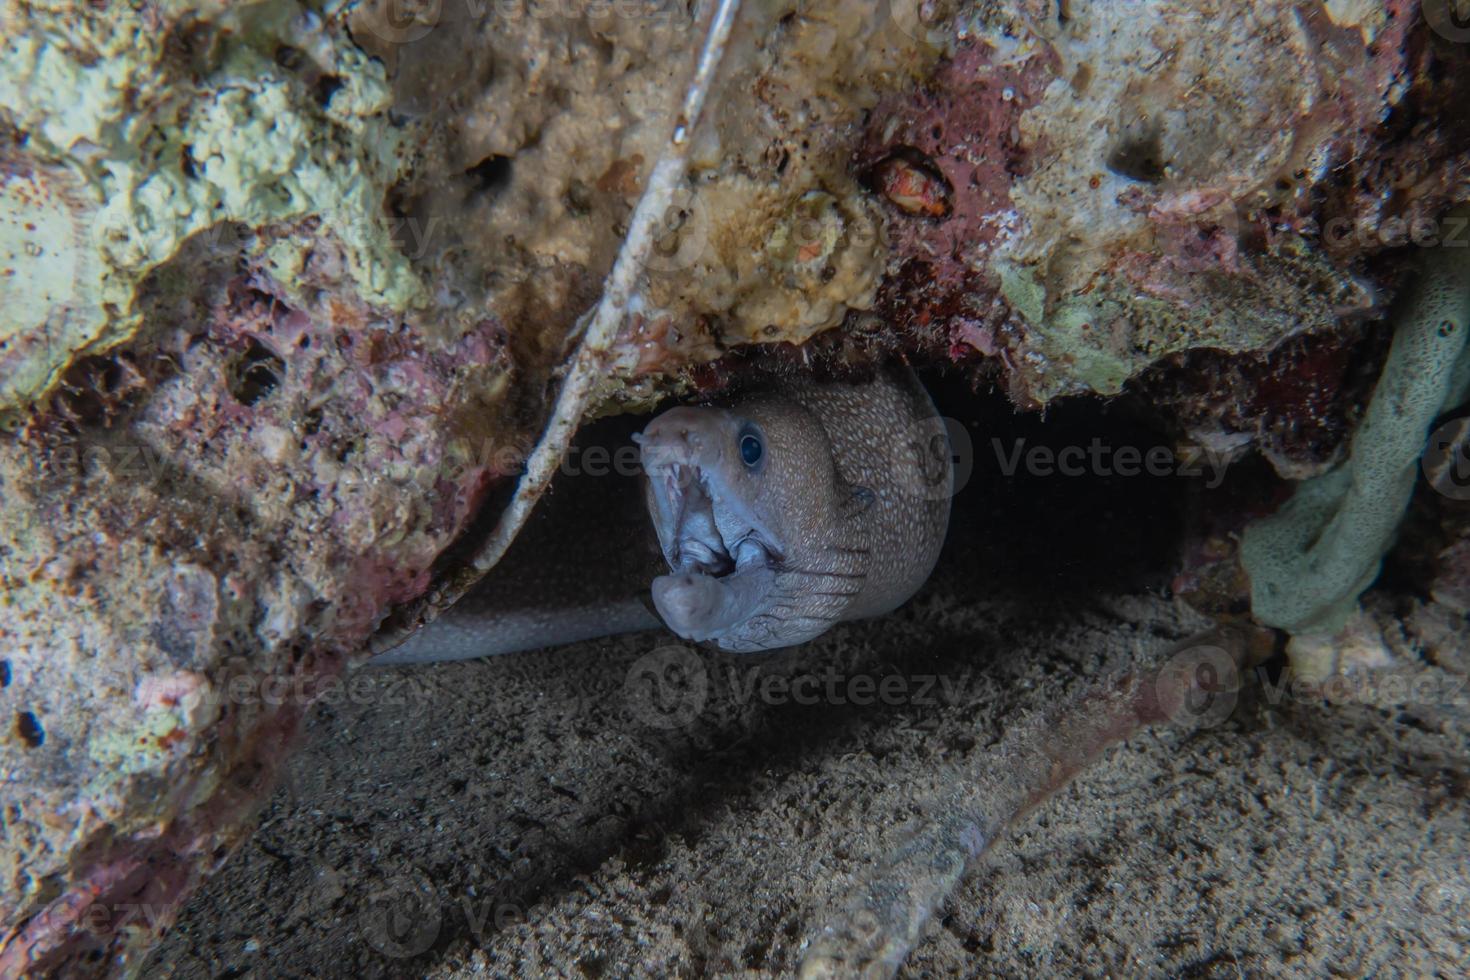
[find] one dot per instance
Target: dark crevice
(1139, 155)
(256, 374)
(28, 727)
(491, 175)
(325, 88)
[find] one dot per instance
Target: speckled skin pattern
(841, 518)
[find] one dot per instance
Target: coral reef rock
(286, 286)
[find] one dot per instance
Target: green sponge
(1309, 562)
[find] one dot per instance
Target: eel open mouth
(700, 532)
(723, 563)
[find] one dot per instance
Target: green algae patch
(1073, 329)
(1067, 336)
(133, 153)
(1094, 340)
(1019, 285)
(142, 749)
(49, 276)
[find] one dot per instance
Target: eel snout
(719, 563)
(681, 454)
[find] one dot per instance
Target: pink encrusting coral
(1125, 184)
(126, 890)
(962, 128)
(359, 407)
(964, 124)
(290, 476)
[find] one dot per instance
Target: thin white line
(599, 328)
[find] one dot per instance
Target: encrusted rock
(288, 287)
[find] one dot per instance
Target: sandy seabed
(544, 814)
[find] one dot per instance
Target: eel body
(776, 515)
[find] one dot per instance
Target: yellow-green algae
(160, 151)
(1098, 339)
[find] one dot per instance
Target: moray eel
(792, 508)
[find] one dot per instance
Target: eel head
(751, 516)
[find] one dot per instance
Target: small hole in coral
(256, 374)
(398, 201)
(325, 88)
(96, 390)
(29, 729)
(1139, 156)
(491, 175)
(578, 198)
(4, 673)
(289, 58)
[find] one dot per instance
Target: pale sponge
(1310, 560)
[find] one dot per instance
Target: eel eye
(751, 449)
